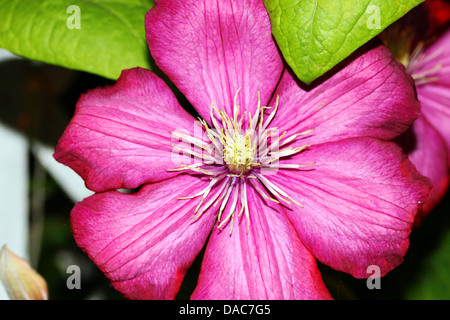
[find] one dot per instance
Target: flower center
(237, 158)
(239, 152)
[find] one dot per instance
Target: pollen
(239, 153)
(237, 157)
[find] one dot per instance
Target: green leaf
(97, 36)
(315, 35)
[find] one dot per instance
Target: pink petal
(371, 96)
(210, 49)
(427, 151)
(435, 95)
(144, 242)
(359, 201)
(120, 135)
(268, 262)
(436, 108)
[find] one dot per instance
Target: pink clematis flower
(275, 175)
(430, 67)
(424, 49)
(427, 151)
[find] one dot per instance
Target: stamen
(196, 155)
(418, 60)
(294, 136)
(276, 191)
(236, 158)
(261, 193)
(245, 205)
(294, 166)
(272, 115)
(211, 201)
(231, 212)
(225, 200)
